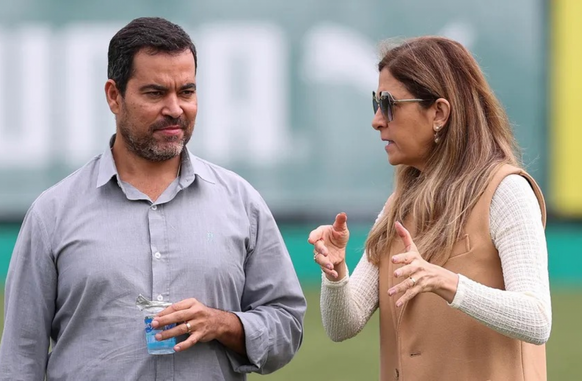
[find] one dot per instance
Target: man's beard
(152, 149)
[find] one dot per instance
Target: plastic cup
(155, 347)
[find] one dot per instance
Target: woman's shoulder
(514, 196)
(514, 188)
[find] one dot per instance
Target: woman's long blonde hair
(476, 139)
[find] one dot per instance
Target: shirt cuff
(462, 287)
(255, 344)
(335, 283)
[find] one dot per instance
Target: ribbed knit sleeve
(523, 309)
(348, 304)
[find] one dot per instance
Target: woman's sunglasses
(386, 102)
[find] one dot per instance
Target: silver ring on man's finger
(413, 281)
(188, 327)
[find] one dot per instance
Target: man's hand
(202, 324)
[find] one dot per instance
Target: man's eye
(154, 93)
(188, 93)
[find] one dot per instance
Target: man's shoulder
(217, 174)
(76, 183)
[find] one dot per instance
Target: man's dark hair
(152, 33)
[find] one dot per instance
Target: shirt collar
(191, 166)
(107, 168)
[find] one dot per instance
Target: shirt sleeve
(523, 309)
(29, 304)
(273, 306)
(347, 305)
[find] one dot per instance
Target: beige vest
(426, 340)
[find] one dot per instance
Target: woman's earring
(437, 138)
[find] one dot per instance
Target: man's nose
(172, 107)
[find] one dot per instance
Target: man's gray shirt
(91, 244)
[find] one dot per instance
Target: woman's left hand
(419, 275)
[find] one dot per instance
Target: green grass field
(357, 359)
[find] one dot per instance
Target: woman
(463, 290)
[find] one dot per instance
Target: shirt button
(158, 255)
(160, 298)
(154, 207)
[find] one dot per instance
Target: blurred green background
(299, 77)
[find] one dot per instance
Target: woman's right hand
(329, 247)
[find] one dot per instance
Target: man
(148, 217)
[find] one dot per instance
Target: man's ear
(113, 96)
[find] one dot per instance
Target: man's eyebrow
(153, 87)
(189, 86)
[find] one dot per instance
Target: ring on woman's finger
(188, 327)
(413, 281)
(315, 256)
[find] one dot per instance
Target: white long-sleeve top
(522, 310)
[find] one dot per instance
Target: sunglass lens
(386, 106)
(375, 105)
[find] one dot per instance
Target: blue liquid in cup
(155, 347)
